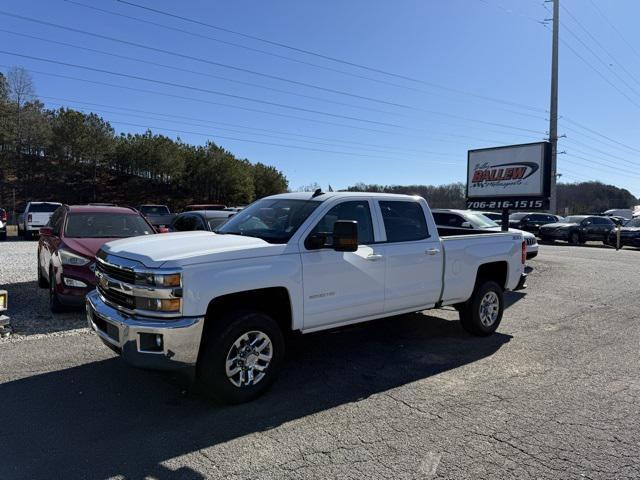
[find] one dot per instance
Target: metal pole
(553, 110)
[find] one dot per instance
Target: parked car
(68, 245)
(218, 305)
(207, 220)
(35, 216)
(463, 222)
(495, 216)
(619, 212)
(5, 321)
(577, 229)
(3, 224)
(204, 206)
(629, 234)
(530, 222)
(158, 215)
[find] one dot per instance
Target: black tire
(27, 235)
(473, 314)
(574, 238)
(219, 344)
(42, 281)
(54, 302)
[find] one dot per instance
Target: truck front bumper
(159, 344)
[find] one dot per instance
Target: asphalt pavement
(555, 394)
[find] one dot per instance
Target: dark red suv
(69, 243)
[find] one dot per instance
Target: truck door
(343, 286)
(413, 256)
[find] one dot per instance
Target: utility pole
(553, 110)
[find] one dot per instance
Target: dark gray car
(206, 220)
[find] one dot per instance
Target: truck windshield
(154, 210)
(480, 221)
(105, 225)
(43, 207)
(634, 223)
(273, 220)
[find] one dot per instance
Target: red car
(69, 243)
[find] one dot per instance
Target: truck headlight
(159, 304)
(159, 279)
(69, 258)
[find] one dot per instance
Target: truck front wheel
(482, 314)
(241, 357)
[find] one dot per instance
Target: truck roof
(327, 195)
(101, 209)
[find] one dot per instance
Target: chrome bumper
(180, 337)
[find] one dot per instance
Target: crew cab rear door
(413, 254)
(343, 286)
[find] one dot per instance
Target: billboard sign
(517, 177)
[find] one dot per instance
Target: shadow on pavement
(104, 419)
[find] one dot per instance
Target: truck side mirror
(465, 225)
(345, 236)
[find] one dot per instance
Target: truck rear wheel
(241, 357)
(482, 314)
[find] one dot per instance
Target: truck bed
(463, 255)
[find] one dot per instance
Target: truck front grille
(116, 272)
(117, 298)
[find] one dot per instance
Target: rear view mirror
(46, 232)
(345, 236)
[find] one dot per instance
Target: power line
(283, 57)
(574, 35)
(614, 28)
(281, 137)
(584, 159)
(593, 137)
(459, 117)
(214, 92)
(250, 129)
(210, 102)
(326, 57)
(603, 152)
(573, 122)
(351, 154)
(185, 70)
(597, 42)
(199, 89)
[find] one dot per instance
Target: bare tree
(21, 88)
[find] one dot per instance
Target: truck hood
(174, 250)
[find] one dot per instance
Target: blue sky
(483, 72)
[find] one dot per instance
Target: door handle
(374, 257)
(432, 251)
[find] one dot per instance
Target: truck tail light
(524, 252)
(29, 218)
(3, 216)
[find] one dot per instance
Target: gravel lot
(555, 394)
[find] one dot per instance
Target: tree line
(75, 157)
(573, 198)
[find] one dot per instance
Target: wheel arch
(273, 301)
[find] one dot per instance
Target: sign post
(513, 177)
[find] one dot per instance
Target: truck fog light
(151, 342)
(70, 282)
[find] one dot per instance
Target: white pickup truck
(36, 215)
(217, 305)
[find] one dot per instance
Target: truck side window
(356, 210)
(404, 221)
